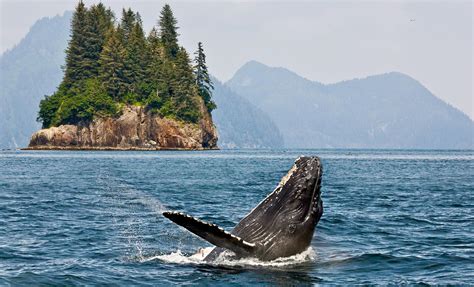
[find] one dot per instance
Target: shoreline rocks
(135, 129)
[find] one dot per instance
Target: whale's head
(284, 222)
(300, 194)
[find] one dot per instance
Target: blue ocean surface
(94, 218)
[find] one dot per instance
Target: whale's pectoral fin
(211, 233)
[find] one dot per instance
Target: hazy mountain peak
(390, 110)
(254, 64)
(395, 77)
(257, 68)
(36, 34)
(256, 73)
(396, 80)
(29, 71)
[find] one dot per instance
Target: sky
(324, 41)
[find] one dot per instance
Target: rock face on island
(135, 129)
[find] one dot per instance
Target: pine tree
(76, 50)
(112, 66)
(124, 30)
(136, 61)
(184, 88)
(154, 58)
(184, 78)
(154, 73)
(127, 23)
(154, 39)
(98, 22)
(105, 19)
(168, 32)
(203, 79)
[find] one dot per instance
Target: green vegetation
(203, 80)
(110, 64)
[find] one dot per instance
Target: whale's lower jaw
(281, 225)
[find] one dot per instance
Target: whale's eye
(291, 228)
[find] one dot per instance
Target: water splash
(127, 206)
(130, 193)
(178, 257)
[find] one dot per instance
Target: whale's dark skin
(281, 225)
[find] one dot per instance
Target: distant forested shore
(110, 64)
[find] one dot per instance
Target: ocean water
(94, 218)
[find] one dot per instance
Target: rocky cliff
(135, 129)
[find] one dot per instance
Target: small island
(123, 90)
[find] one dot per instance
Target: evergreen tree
(127, 23)
(203, 79)
(112, 66)
(154, 40)
(124, 30)
(183, 75)
(136, 61)
(105, 20)
(154, 59)
(168, 32)
(76, 50)
(160, 68)
(184, 88)
(98, 22)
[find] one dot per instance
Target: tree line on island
(110, 65)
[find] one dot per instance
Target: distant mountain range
(384, 111)
(260, 107)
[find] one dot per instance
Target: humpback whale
(281, 225)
